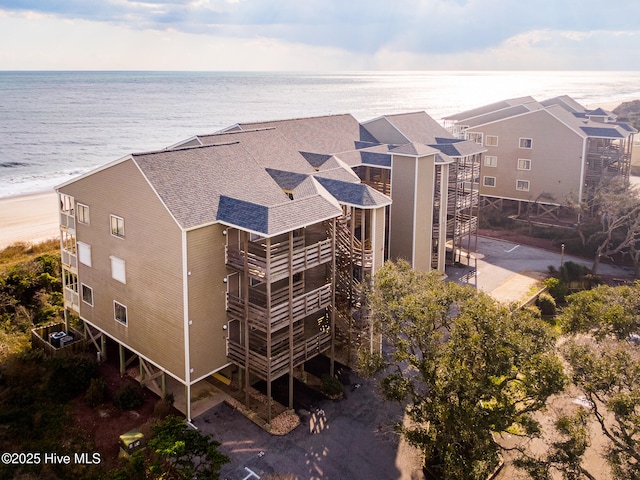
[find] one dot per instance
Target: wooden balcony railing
(303, 258)
(279, 364)
(352, 247)
(278, 316)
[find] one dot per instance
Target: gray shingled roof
(485, 109)
(414, 149)
(327, 134)
(602, 132)
(418, 127)
(286, 180)
(458, 148)
(276, 219)
(203, 185)
(357, 194)
(267, 146)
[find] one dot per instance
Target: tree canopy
(604, 359)
(467, 367)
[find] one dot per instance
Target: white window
(524, 164)
(87, 294)
(491, 141)
(82, 213)
(118, 271)
(117, 226)
(490, 161)
(489, 181)
(522, 185)
(84, 253)
(120, 312)
(526, 143)
(475, 137)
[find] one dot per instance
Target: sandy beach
(28, 218)
(34, 218)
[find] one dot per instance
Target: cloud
(359, 26)
(318, 35)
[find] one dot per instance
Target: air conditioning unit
(55, 337)
(66, 340)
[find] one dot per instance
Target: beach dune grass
(23, 251)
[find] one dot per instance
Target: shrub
(96, 392)
(128, 397)
(163, 406)
(546, 304)
(557, 288)
(331, 385)
(70, 376)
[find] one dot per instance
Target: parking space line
(252, 474)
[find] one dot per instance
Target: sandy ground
(28, 218)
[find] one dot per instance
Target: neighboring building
(548, 153)
(247, 251)
(460, 176)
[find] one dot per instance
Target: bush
(331, 385)
(128, 397)
(96, 392)
(70, 376)
(163, 406)
(546, 304)
(557, 288)
(572, 271)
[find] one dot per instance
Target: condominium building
(246, 252)
(550, 153)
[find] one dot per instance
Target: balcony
(71, 299)
(463, 201)
(462, 225)
(278, 316)
(67, 221)
(279, 363)
(303, 258)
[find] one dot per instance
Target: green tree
(179, 452)
(603, 311)
(605, 366)
(467, 367)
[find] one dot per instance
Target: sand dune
(28, 218)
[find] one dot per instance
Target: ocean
(57, 125)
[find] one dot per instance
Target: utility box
(131, 441)
(55, 337)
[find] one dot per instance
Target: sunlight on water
(56, 125)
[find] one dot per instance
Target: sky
(319, 35)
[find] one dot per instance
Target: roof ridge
(182, 149)
(296, 118)
(236, 132)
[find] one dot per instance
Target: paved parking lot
(347, 439)
(353, 438)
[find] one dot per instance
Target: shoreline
(33, 217)
(29, 218)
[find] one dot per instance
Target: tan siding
(555, 158)
(152, 253)
(401, 216)
(378, 236)
(205, 260)
(424, 214)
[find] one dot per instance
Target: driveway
(353, 438)
(507, 270)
